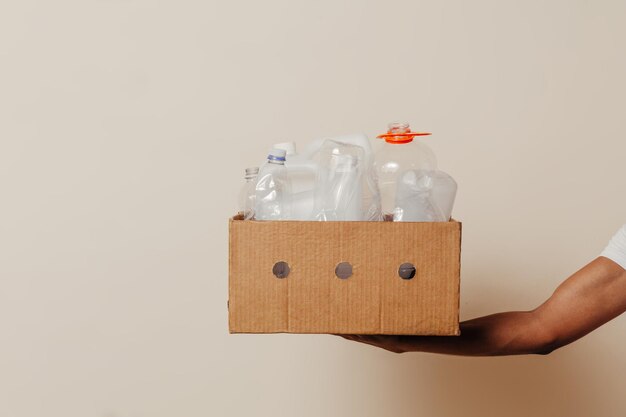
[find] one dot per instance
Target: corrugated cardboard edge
(231, 220)
(458, 308)
(230, 267)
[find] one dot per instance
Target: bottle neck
(251, 173)
(275, 162)
(400, 133)
(398, 127)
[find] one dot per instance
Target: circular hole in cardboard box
(407, 271)
(343, 270)
(281, 269)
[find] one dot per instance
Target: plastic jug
(303, 169)
(402, 151)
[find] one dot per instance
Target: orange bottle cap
(400, 133)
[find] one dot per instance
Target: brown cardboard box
(373, 300)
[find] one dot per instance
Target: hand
(395, 344)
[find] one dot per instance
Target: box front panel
(373, 299)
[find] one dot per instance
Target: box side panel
(257, 299)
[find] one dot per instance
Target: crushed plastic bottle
(273, 196)
(401, 151)
(344, 190)
(444, 192)
(424, 196)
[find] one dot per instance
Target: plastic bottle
(303, 169)
(424, 196)
(273, 189)
(400, 152)
(342, 188)
(358, 139)
(341, 196)
(444, 192)
(302, 174)
(248, 193)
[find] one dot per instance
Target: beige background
(125, 127)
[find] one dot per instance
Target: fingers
(354, 337)
(389, 343)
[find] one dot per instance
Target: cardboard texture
(373, 300)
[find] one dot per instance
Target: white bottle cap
(289, 147)
(277, 155)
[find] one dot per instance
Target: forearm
(510, 333)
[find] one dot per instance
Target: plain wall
(125, 127)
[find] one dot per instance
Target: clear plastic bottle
(400, 152)
(444, 192)
(273, 189)
(248, 193)
(340, 194)
(424, 196)
(302, 173)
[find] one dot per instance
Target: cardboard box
(305, 295)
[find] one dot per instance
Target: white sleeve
(616, 250)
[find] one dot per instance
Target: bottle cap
(289, 147)
(277, 155)
(399, 132)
